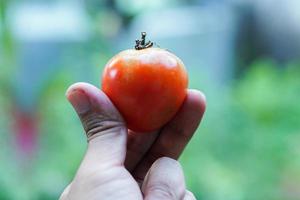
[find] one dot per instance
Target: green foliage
(247, 146)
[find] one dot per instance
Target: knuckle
(96, 124)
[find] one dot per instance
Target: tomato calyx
(142, 44)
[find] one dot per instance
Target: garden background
(244, 55)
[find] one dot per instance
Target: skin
(121, 164)
(150, 81)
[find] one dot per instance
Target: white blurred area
(214, 37)
(61, 21)
(42, 31)
(195, 34)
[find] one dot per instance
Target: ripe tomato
(146, 84)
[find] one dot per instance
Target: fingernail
(79, 101)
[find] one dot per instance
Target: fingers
(137, 146)
(164, 180)
(176, 134)
(104, 126)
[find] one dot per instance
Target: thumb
(164, 180)
(105, 129)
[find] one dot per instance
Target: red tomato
(147, 85)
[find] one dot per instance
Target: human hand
(121, 164)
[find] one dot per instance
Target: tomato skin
(147, 86)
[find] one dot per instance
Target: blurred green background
(244, 55)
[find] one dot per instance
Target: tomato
(147, 85)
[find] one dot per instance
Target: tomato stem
(142, 44)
